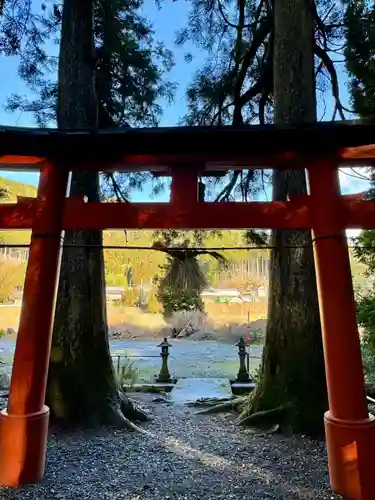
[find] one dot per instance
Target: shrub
(183, 280)
(366, 319)
(130, 297)
(128, 373)
(11, 275)
(180, 287)
(154, 306)
(178, 300)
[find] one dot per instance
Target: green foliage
(365, 251)
(257, 374)
(154, 306)
(130, 65)
(149, 263)
(128, 374)
(360, 54)
(368, 359)
(130, 68)
(183, 282)
(11, 275)
(145, 264)
(174, 300)
(184, 275)
(9, 190)
(235, 84)
(366, 319)
(130, 297)
(129, 62)
(3, 193)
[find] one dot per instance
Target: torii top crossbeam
(183, 152)
(210, 148)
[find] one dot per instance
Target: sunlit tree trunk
(82, 388)
(293, 377)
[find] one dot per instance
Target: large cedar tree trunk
(82, 388)
(292, 375)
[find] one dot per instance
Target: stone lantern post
(243, 374)
(164, 375)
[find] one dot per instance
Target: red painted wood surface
(167, 162)
(296, 213)
(29, 374)
(350, 433)
(325, 211)
(337, 306)
(24, 424)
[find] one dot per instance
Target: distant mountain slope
(145, 263)
(15, 189)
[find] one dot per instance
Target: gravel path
(183, 456)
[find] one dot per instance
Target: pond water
(187, 359)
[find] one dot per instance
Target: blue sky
(166, 22)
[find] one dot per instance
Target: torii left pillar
(24, 424)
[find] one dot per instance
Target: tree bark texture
(292, 373)
(82, 388)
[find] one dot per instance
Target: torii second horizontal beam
(294, 214)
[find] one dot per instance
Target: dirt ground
(180, 456)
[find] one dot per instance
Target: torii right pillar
(350, 430)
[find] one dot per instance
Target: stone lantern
(243, 374)
(164, 375)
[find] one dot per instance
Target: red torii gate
(183, 153)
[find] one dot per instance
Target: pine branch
(328, 63)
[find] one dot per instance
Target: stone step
(188, 390)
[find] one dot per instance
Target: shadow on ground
(183, 456)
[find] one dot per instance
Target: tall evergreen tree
(249, 79)
(130, 65)
(360, 53)
(110, 74)
(293, 377)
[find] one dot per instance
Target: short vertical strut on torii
(185, 153)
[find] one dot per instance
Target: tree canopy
(360, 52)
(130, 64)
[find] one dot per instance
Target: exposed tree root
(262, 418)
(131, 410)
(124, 414)
(209, 401)
(265, 429)
(223, 407)
(115, 418)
